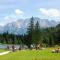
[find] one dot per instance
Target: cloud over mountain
(50, 12)
(20, 26)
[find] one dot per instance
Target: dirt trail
(3, 53)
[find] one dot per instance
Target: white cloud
(18, 12)
(12, 17)
(50, 12)
(6, 20)
(6, 17)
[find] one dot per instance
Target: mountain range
(20, 26)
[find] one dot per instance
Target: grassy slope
(32, 55)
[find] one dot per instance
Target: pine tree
(37, 39)
(30, 32)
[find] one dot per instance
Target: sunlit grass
(32, 55)
(2, 50)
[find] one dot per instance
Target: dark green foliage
(30, 32)
(10, 38)
(37, 34)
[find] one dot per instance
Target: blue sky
(12, 10)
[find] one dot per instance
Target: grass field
(2, 50)
(32, 55)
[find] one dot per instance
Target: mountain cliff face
(20, 26)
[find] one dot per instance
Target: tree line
(35, 35)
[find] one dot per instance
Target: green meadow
(2, 50)
(45, 54)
